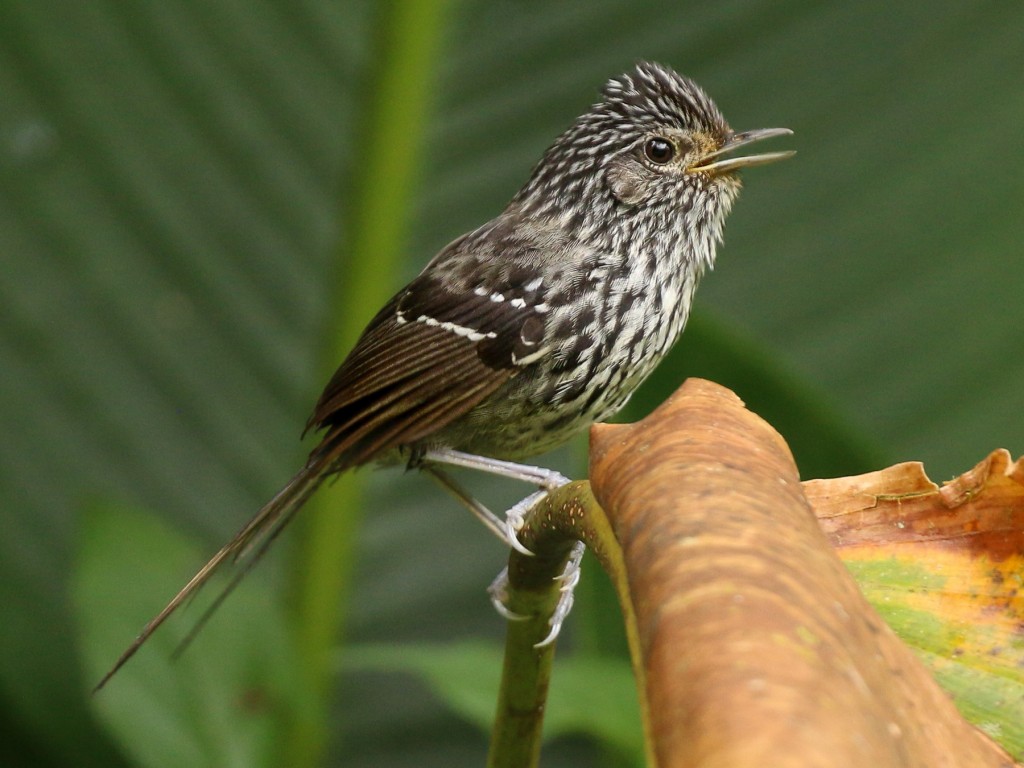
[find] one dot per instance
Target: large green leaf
(174, 182)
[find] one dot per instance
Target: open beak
(708, 163)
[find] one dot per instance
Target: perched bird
(527, 330)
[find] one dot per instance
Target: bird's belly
(525, 418)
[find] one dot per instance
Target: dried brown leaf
(757, 644)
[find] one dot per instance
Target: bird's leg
(547, 480)
(494, 524)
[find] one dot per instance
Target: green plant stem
(398, 98)
(569, 514)
(526, 670)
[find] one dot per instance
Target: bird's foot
(515, 520)
(568, 578)
(515, 517)
(499, 594)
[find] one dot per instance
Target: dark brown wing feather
(429, 379)
(428, 358)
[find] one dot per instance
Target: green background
(186, 189)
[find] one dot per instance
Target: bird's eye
(659, 151)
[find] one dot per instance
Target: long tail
(249, 544)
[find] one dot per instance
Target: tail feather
(248, 545)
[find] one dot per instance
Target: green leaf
(226, 700)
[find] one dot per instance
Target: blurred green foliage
(177, 188)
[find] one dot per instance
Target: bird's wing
(432, 354)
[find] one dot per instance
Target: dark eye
(659, 150)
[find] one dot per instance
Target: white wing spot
(534, 284)
(518, 303)
(497, 297)
(480, 291)
(458, 330)
(527, 359)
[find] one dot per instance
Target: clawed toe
(515, 519)
(498, 592)
(569, 577)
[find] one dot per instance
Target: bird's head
(654, 145)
